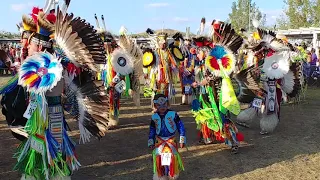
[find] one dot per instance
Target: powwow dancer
(218, 100)
(162, 64)
(278, 81)
(59, 42)
(121, 70)
(15, 97)
(187, 68)
(167, 162)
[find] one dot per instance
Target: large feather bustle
(73, 36)
(288, 82)
(135, 52)
(129, 66)
(87, 100)
(248, 83)
(298, 78)
(282, 61)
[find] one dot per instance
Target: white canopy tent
(303, 34)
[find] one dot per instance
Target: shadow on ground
(123, 154)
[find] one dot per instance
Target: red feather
(225, 61)
(214, 63)
(51, 18)
(34, 14)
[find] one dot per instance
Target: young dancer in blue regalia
(165, 123)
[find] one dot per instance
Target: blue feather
(195, 105)
(46, 59)
(52, 65)
(218, 52)
(30, 65)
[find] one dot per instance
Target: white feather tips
(255, 23)
(288, 82)
(121, 62)
(277, 65)
(122, 30)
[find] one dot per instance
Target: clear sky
(138, 15)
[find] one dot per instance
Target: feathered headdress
(28, 23)
(223, 51)
(45, 24)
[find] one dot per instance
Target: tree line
(296, 14)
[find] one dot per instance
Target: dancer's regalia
(15, 98)
(217, 99)
(186, 70)
(275, 58)
(48, 76)
(121, 71)
(164, 124)
(162, 65)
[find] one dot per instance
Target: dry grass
(292, 152)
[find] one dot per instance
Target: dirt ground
(292, 152)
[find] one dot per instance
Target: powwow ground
(292, 152)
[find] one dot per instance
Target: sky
(138, 15)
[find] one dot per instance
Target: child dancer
(167, 161)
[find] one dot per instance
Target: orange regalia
(163, 65)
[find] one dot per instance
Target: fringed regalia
(277, 80)
(162, 66)
(49, 153)
(217, 98)
(166, 158)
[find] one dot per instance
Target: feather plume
(202, 25)
(34, 14)
(46, 21)
(29, 22)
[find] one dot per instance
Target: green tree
(241, 10)
(8, 35)
(299, 13)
